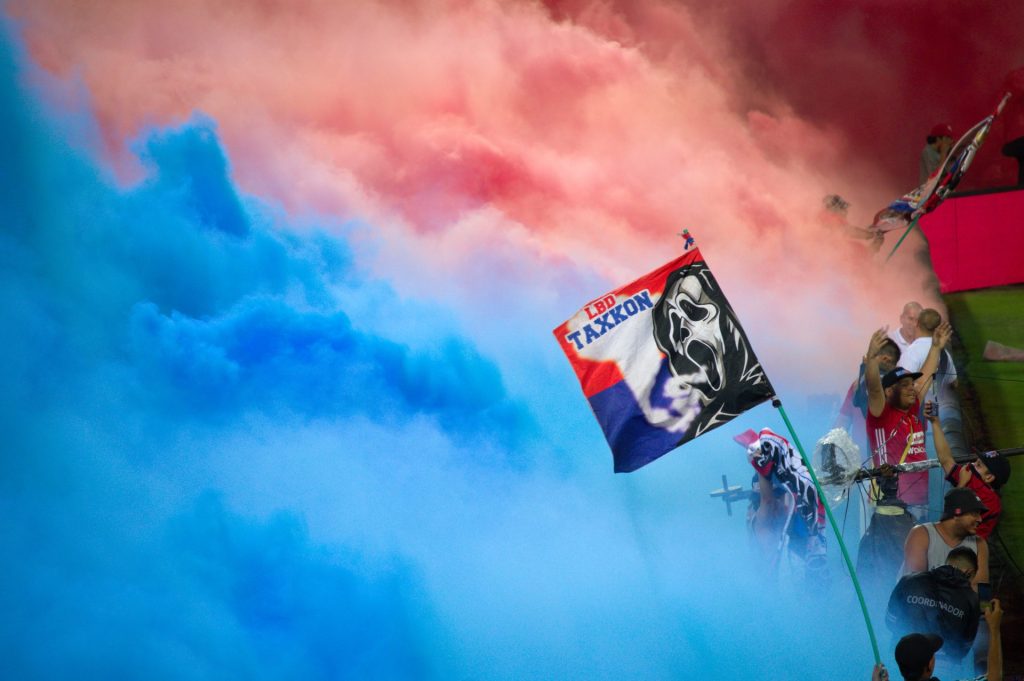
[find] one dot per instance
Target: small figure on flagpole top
(688, 240)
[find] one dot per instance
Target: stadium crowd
(911, 413)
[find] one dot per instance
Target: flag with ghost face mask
(662, 360)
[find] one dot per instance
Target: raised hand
(878, 339)
(942, 334)
(993, 614)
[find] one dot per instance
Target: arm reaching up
(873, 380)
(931, 363)
(994, 618)
(945, 454)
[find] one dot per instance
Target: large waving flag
(943, 181)
(663, 360)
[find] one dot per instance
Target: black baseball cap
(913, 653)
(998, 466)
(894, 376)
(960, 500)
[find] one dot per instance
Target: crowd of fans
(906, 402)
(903, 408)
(912, 410)
(932, 567)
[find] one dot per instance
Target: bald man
(907, 331)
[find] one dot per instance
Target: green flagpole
(777, 403)
(913, 223)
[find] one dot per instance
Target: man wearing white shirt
(944, 386)
(907, 331)
(912, 357)
(943, 390)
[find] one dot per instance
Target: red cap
(942, 130)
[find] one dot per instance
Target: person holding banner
(803, 521)
(936, 148)
(663, 360)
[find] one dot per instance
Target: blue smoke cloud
(218, 464)
(130, 317)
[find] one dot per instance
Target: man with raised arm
(944, 387)
(895, 432)
(994, 620)
(983, 476)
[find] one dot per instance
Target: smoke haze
(278, 283)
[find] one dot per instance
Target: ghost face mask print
(707, 355)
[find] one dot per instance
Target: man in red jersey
(895, 432)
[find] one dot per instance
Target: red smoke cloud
(883, 73)
(588, 132)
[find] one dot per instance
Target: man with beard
(928, 545)
(895, 432)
